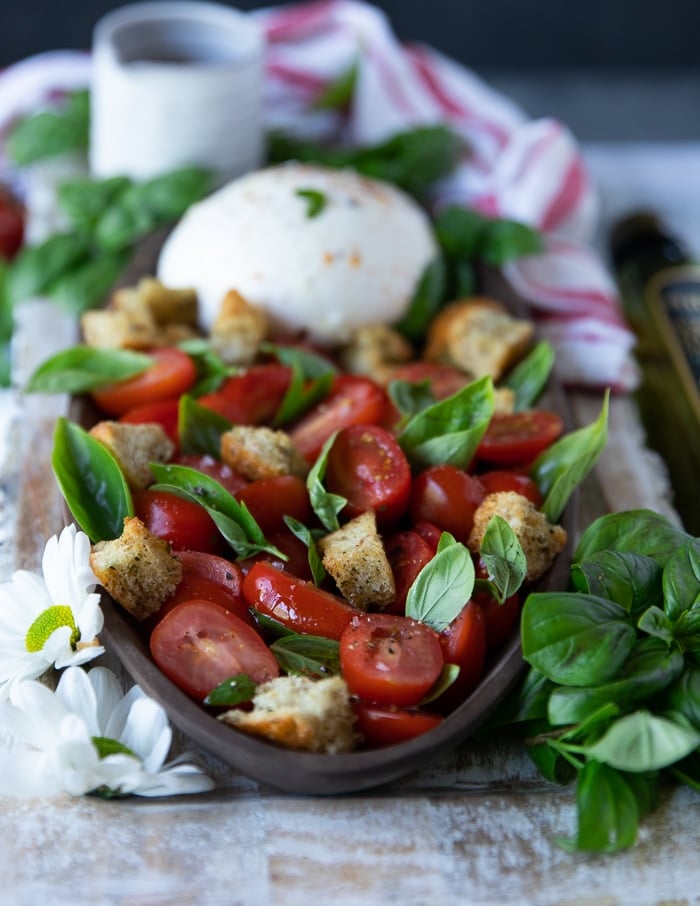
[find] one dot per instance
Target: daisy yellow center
(49, 621)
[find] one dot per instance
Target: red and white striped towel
(523, 169)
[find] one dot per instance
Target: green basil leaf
(199, 429)
(51, 132)
(643, 742)
(233, 691)
(528, 702)
(448, 676)
(566, 463)
(106, 746)
(608, 814)
(529, 377)
(233, 519)
(649, 669)
(550, 763)
(311, 364)
(632, 531)
(504, 240)
(463, 282)
(324, 504)
(211, 370)
(306, 536)
(269, 625)
(450, 430)
(315, 201)
(168, 196)
(460, 232)
(338, 92)
(504, 558)
(37, 266)
(632, 580)
(681, 580)
(84, 200)
(575, 639)
(121, 225)
(655, 623)
(307, 655)
(83, 368)
(687, 771)
(301, 395)
(91, 482)
(87, 284)
(425, 302)
(442, 587)
(410, 397)
(684, 696)
(686, 630)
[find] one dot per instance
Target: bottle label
(673, 299)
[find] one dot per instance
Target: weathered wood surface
(477, 826)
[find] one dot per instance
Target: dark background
(611, 68)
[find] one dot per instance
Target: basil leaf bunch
(236, 690)
(84, 368)
(444, 585)
(324, 504)
(612, 697)
(199, 429)
(211, 370)
(308, 537)
(51, 132)
(307, 655)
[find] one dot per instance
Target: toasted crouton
(113, 329)
(478, 336)
(504, 400)
(375, 350)
(165, 305)
(134, 446)
(541, 541)
(354, 555)
(137, 569)
(238, 330)
(300, 713)
(260, 452)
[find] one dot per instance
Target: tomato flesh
(271, 499)
(161, 412)
(407, 553)
(368, 467)
(464, 644)
(515, 437)
(447, 497)
(184, 524)
(212, 578)
(444, 380)
(299, 605)
(172, 373)
(214, 468)
(389, 659)
(252, 397)
(386, 726)
(500, 480)
(199, 644)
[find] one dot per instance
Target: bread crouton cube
(261, 452)
(300, 713)
(134, 446)
(478, 336)
(375, 350)
(113, 329)
(137, 569)
(354, 556)
(503, 400)
(540, 540)
(165, 305)
(238, 330)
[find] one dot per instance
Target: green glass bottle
(660, 290)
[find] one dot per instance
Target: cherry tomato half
(444, 380)
(11, 225)
(389, 659)
(368, 467)
(214, 468)
(271, 499)
(211, 578)
(515, 437)
(184, 524)
(199, 644)
(297, 562)
(407, 553)
(162, 412)
(388, 726)
(448, 497)
(496, 481)
(252, 397)
(297, 604)
(173, 373)
(464, 644)
(352, 400)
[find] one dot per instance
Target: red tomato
(408, 553)
(252, 397)
(199, 644)
(368, 467)
(514, 437)
(429, 533)
(298, 604)
(448, 497)
(184, 524)
(500, 620)
(389, 659)
(464, 644)
(219, 471)
(387, 726)
(297, 562)
(172, 374)
(444, 379)
(11, 225)
(162, 412)
(352, 400)
(211, 578)
(271, 499)
(511, 481)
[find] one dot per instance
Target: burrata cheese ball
(322, 251)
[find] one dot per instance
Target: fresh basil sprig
(211, 370)
(428, 296)
(529, 377)
(83, 368)
(324, 504)
(443, 586)
(51, 132)
(307, 536)
(233, 519)
(315, 201)
(449, 431)
(199, 429)
(504, 558)
(234, 691)
(301, 395)
(307, 655)
(91, 482)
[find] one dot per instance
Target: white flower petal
(108, 693)
(144, 732)
(90, 619)
(42, 713)
(27, 773)
(57, 648)
(81, 656)
(78, 696)
(175, 780)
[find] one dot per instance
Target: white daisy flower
(51, 620)
(87, 737)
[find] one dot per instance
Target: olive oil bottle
(660, 290)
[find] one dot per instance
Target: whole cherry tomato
(271, 499)
(464, 644)
(172, 373)
(251, 397)
(184, 524)
(407, 553)
(214, 468)
(448, 497)
(444, 380)
(496, 481)
(515, 437)
(162, 412)
(385, 726)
